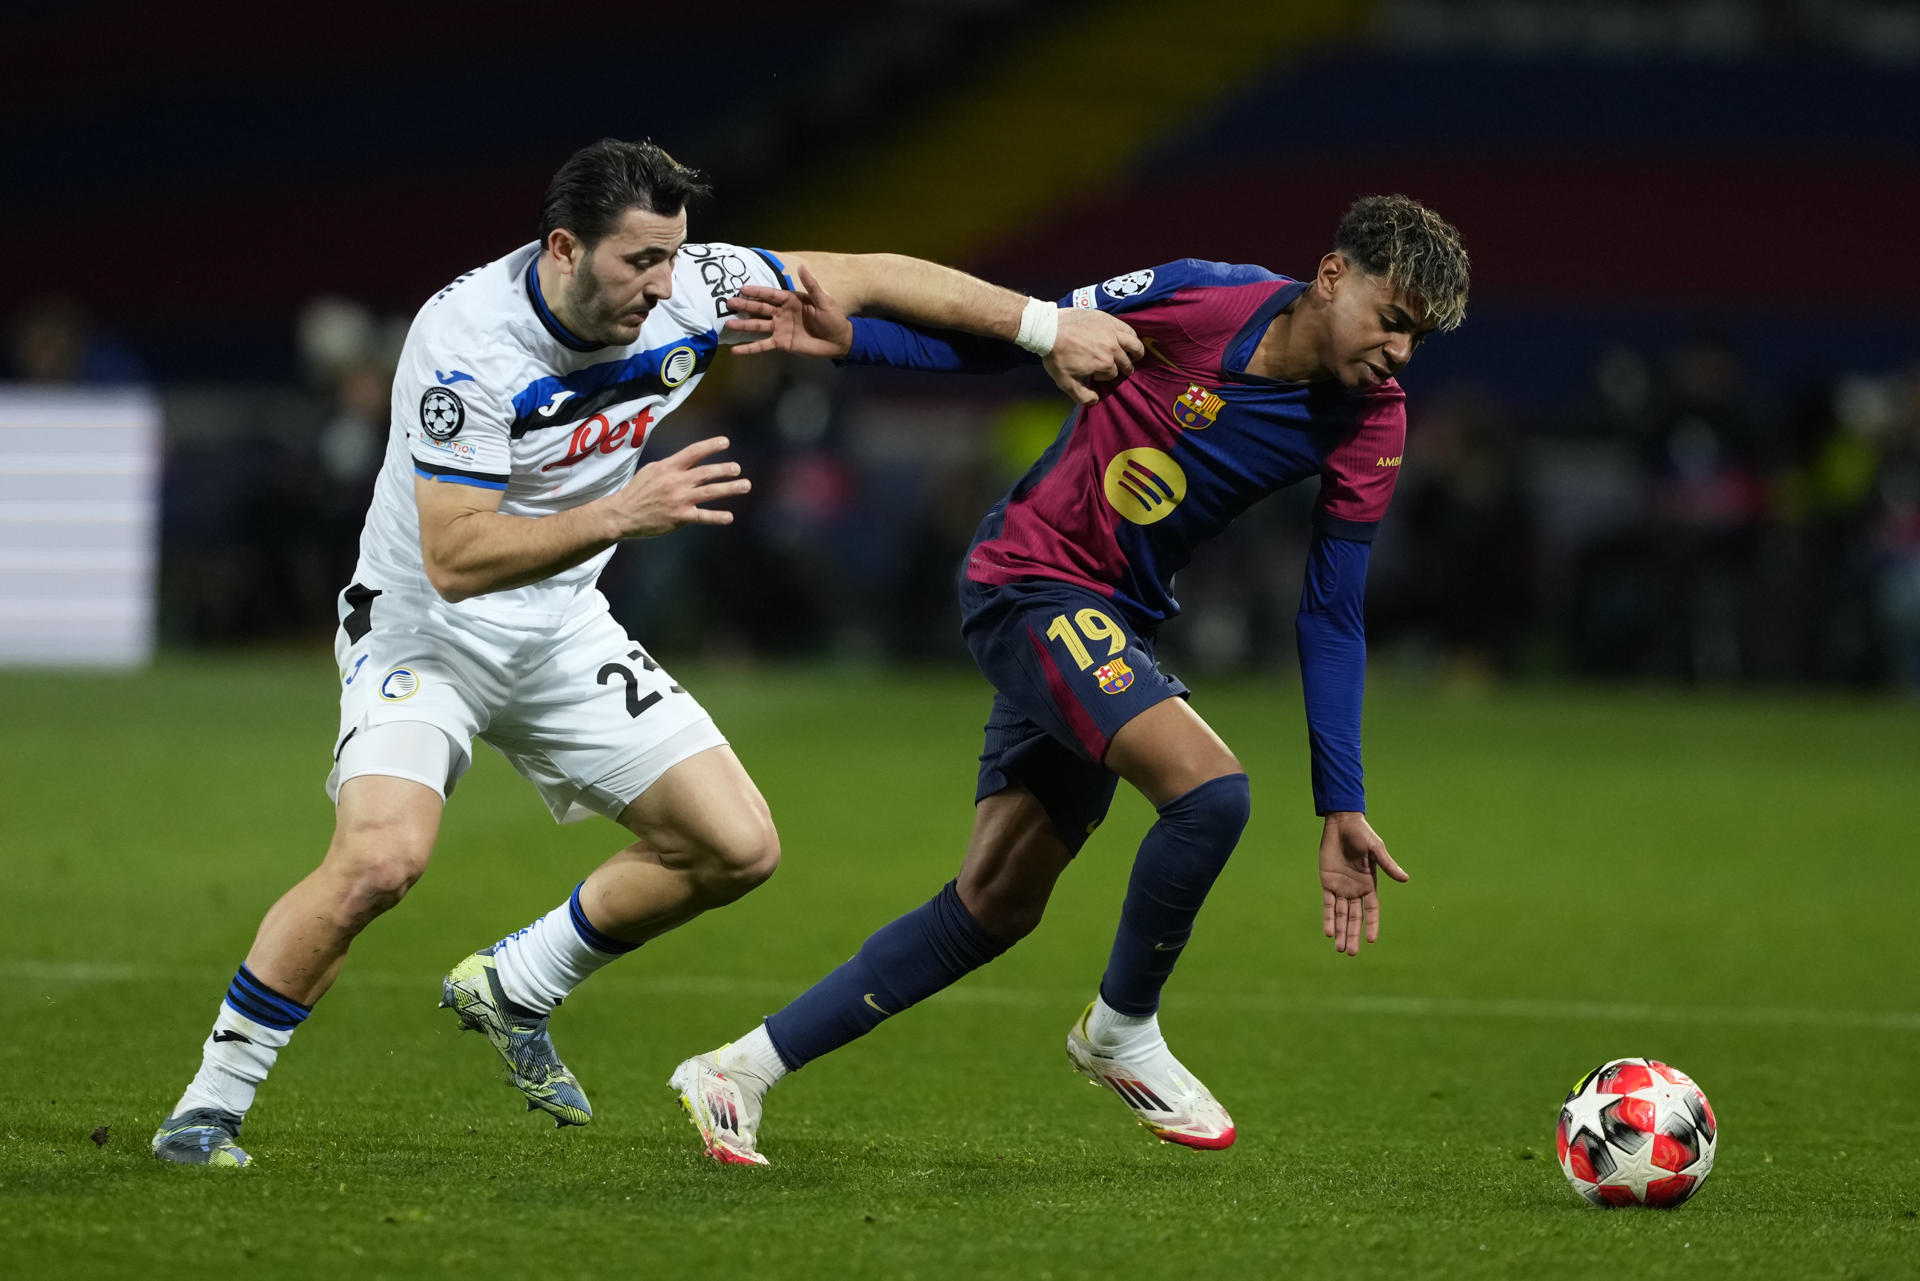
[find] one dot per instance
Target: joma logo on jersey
(595, 436)
(1390, 462)
(1197, 407)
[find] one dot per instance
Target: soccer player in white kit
(525, 395)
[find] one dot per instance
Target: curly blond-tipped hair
(1411, 247)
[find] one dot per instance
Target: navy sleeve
(1332, 632)
(1149, 285)
(885, 342)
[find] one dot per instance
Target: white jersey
(493, 391)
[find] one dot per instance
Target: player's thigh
(405, 663)
(1015, 856)
(1068, 661)
(596, 723)
(1020, 755)
(1066, 658)
(1168, 750)
(384, 831)
(705, 813)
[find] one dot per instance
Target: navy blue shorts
(1068, 671)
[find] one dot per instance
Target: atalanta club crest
(442, 414)
(1197, 407)
(399, 685)
(1113, 677)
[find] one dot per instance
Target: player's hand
(1091, 346)
(805, 321)
(665, 495)
(1351, 857)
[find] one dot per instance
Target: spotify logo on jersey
(1144, 485)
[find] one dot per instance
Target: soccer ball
(1636, 1132)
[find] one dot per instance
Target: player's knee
(1006, 907)
(1006, 918)
(1228, 803)
(1217, 810)
(373, 866)
(740, 854)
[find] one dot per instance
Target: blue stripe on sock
(255, 1000)
(294, 1010)
(259, 1014)
(591, 937)
(270, 1013)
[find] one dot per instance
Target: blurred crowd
(1667, 525)
(1673, 527)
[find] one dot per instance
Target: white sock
(1114, 1032)
(753, 1055)
(234, 1060)
(541, 964)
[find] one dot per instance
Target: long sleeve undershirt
(882, 342)
(1331, 628)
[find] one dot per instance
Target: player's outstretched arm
(1351, 857)
(1076, 346)
(471, 548)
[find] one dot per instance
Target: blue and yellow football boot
(201, 1136)
(472, 991)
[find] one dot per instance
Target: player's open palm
(1352, 856)
(806, 321)
(664, 495)
(1091, 346)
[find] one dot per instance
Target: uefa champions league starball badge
(442, 414)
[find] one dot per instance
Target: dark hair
(1411, 247)
(599, 183)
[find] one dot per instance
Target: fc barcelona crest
(1197, 407)
(1114, 676)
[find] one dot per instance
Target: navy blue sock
(1176, 866)
(902, 963)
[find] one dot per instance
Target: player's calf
(1178, 862)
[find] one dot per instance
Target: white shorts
(580, 709)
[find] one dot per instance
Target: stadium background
(1645, 621)
(1678, 439)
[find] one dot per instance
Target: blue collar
(1241, 349)
(561, 334)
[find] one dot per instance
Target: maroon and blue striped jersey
(1171, 454)
(1168, 457)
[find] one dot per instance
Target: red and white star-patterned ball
(1636, 1132)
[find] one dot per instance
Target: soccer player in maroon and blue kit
(1250, 382)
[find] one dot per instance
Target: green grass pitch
(1726, 883)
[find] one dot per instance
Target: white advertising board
(79, 526)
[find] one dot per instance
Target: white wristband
(1039, 326)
